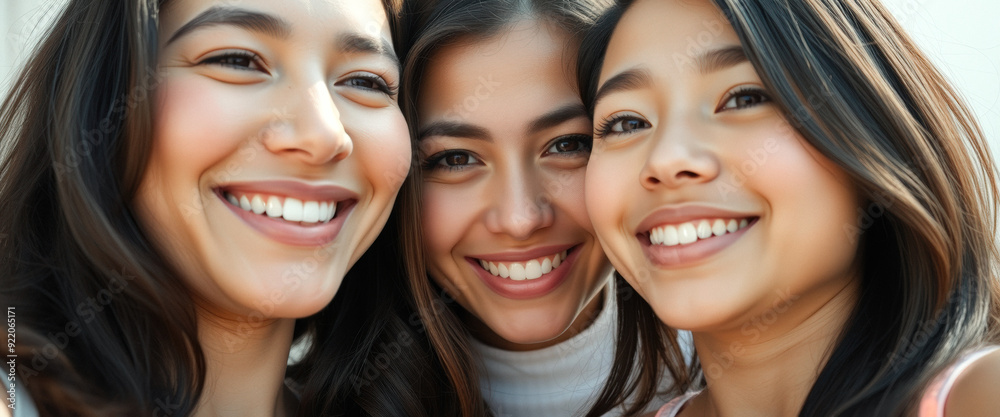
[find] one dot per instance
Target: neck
(245, 362)
(769, 364)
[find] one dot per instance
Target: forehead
(666, 34)
(528, 64)
(304, 16)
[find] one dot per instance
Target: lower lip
(293, 234)
(528, 288)
(686, 255)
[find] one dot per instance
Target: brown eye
(456, 159)
(241, 60)
(620, 125)
(744, 98)
(570, 144)
(452, 160)
(370, 82)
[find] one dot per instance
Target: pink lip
(685, 255)
(521, 256)
(526, 289)
(685, 213)
(294, 234)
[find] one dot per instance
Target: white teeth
(704, 229)
(670, 237)
(718, 227)
(517, 272)
(310, 212)
(324, 210)
(292, 209)
(690, 232)
(520, 271)
(273, 207)
(258, 205)
(533, 269)
(686, 233)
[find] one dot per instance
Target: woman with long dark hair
(798, 186)
(181, 182)
(516, 293)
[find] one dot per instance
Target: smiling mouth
(693, 231)
(292, 210)
(526, 270)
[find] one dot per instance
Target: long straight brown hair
(851, 82)
(103, 325)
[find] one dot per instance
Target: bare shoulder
(975, 391)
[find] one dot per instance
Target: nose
(679, 158)
(519, 207)
(312, 130)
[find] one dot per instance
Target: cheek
(195, 127)
(605, 202)
(566, 190)
(442, 220)
(814, 207)
(385, 150)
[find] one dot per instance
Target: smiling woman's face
(505, 141)
(278, 148)
(707, 200)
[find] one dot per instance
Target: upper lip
(294, 189)
(516, 256)
(687, 212)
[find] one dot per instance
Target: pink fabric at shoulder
(675, 405)
(933, 401)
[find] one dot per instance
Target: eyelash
(434, 161)
(744, 91)
(380, 84)
(604, 129)
(220, 60)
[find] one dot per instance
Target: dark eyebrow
(453, 129)
(246, 19)
(720, 59)
(355, 43)
(631, 79)
(558, 116)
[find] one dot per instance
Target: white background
(961, 37)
